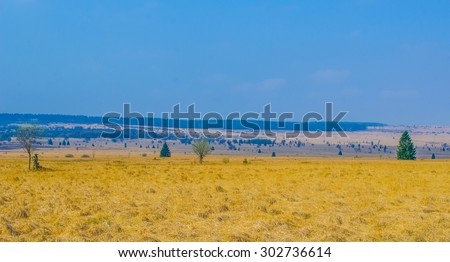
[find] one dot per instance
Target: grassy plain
(121, 198)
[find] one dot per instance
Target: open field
(373, 143)
(121, 198)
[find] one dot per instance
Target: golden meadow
(133, 198)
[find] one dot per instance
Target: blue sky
(384, 61)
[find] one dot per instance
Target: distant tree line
(6, 133)
(45, 119)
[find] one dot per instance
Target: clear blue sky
(381, 60)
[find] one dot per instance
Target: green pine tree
(406, 149)
(165, 151)
(273, 154)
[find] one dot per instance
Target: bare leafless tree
(26, 136)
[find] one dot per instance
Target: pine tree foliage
(165, 151)
(406, 149)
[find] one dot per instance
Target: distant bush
(85, 156)
(226, 160)
(245, 161)
(144, 154)
(69, 156)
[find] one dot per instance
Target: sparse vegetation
(165, 151)
(289, 199)
(201, 148)
(36, 164)
(26, 136)
(406, 149)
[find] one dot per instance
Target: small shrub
(85, 156)
(36, 164)
(220, 189)
(144, 154)
(224, 208)
(245, 161)
(226, 160)
(69, 156)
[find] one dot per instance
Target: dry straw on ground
(268, 199)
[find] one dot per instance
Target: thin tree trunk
(29, 161)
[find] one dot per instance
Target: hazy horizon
(383, 61)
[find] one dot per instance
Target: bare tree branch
(26, 136)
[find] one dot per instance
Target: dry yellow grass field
(114, 198)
